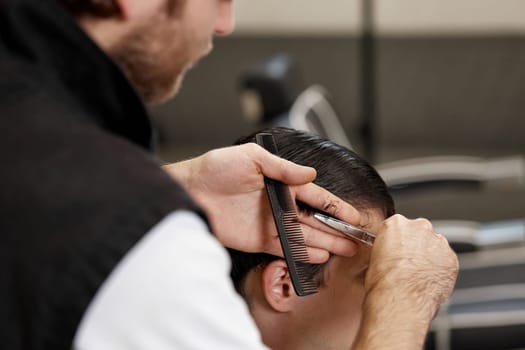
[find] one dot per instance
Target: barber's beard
(154, 58)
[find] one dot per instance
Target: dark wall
(452, 94)
(435, 95)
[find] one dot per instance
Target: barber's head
(330, 318)
(155, 41)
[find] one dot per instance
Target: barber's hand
(410, 263)
(412, 270)
(228, 184)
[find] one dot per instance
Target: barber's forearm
(392, 322)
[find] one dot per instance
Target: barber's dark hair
(104, 8)
(339, 170)
(98, 8)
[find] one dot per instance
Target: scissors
(348, 229)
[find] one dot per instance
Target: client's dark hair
(339, 170)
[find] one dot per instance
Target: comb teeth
(295, 237)
(296, 255)
(308, 285)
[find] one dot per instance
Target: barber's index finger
(319, 198)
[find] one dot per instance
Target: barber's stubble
(157, 54)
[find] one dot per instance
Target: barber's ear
(277, 286)
(122, 8)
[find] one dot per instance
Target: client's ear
(277, 286)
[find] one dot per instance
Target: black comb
(288, 228)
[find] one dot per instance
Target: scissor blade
(348, 229)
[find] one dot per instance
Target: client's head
(329, 319)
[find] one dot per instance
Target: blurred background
(432, 92)
(407, 78)
(449, 74)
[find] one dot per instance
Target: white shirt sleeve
(171, 291)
